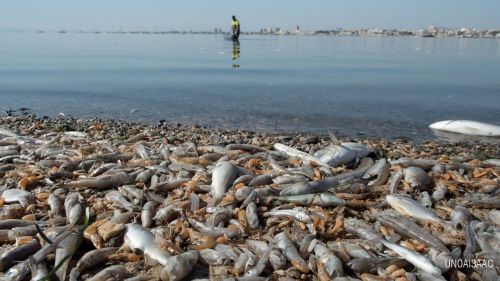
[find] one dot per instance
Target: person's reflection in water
(236, 53)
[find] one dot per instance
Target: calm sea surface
(386, 87)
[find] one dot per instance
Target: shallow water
(385, 87)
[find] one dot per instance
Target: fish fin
(334, 139)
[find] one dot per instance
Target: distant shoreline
(437, 33)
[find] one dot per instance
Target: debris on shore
(108, 200)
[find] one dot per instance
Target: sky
(156, 15)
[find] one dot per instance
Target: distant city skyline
(207, 15)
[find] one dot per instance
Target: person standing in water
(235, 24)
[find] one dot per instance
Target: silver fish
(117, 199)
(55, 203)
(360, 150)
(285, 245)
(412, 230)
(223, 176)
(380, 170)
(332, 263)
(417, 177)
(18, 195)
(68, 246)
(103, 181)
(336, 155)
(147, 214)
(180, 266)
(94, 258)
(261, 263)
(319, 199)
(410, 207)
(252, 216)
(415, 258)
(137, 237)
(298, 215)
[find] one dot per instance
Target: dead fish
(411, 208)
(68, 246)
(147, 214)
(292, 152)
(318, 199)
(417, 177)
(460, 216)
(241, 261)
(332, 263)
(488, 203)
(262, 180)
(298, 215)
(277, 259)
(242, 193)
(414, 258)
(288, 179)
(94, 258)
(18, 195)
(214, 231)
(353, 250)
(223, 176)
(141, 151)
(244, 179)
(144, 176)
(310, 187)
(252, 216)
(361, 229)
(425, 199)
(360, 150)
(39, 271)
(370, 265)
(137, 237)
(179, 267)
(424, 164)
(285, 245)
(261, 263)
(117, 199)
(167, 214)
(21, 270)
(494, 216)
(381, 170)
(336, 155)
(440, 191)
(8, 258)
(114, 272)
(213, 258)
(395, 181)
(412, 230)
(491, 163)
(55, 203)
(470, 239)
(132, 193)
(73, 208)
(103, 181)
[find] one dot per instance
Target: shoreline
(208, 135)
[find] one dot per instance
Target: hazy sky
(254, 14)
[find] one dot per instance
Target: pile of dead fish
(79, 205)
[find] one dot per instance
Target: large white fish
(467, 127)
(415, 258)
(412, 208)
(223, 176)
(336, 155)
(140, 238)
